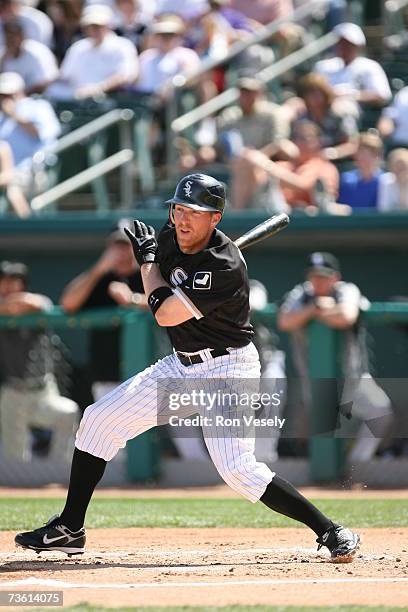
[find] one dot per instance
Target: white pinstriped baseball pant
(135, 406)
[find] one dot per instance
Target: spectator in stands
(65, 18)
(179, 7)
(326, 298)
(26, 124)
(302, 178)
(37, 25)
(29, 395)
(316, 104)
(354, 77)
(264, 11)
(147, 8)
(166, 58)
(131, 22)
(113, 280)
(359, 188)
(100, 63)
(11, 192)
(213, 32)
(393, 188)
(290, 36)
(32, 60)
(393, 123)
(254, 123)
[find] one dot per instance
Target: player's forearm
(79, 289)
(290, 321)
(338, 317)
(152, 278)
(25, 303)
(172, 311)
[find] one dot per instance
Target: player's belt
(188, 359)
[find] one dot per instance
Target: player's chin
(185, 238)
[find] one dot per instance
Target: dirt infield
(214, 567)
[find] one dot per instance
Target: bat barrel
(267, 228)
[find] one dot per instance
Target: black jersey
(213, 285)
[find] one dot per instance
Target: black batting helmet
(200, 192)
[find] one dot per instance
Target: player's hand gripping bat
(267, 228)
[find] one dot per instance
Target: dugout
(372, 250)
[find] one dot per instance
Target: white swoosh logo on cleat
(48, 540)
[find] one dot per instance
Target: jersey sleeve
(206, 289)
(349, 293)
(294, 300)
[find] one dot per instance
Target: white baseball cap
(11, 83)
(352, 33)
(96, 14)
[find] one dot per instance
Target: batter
(197, 283)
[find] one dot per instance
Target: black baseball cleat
(53, 536)
(341, 542)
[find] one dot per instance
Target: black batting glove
(143, 241)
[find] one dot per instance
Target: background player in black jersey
(197, 287)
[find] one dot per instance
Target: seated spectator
(166, 58)
(179, 7)
(131, 22)
(10, 191)
(356, 79)
(315, 104)
(65, 18)
(253, 123)
(113, 280)
(290, 36)
(26, 124)
(212, 32)
(147, 8)
(37, 25)
(29, 395)
(302, 179)
(393, 123)
(32, 60)
(359, 187)
(264, 11)
(393, 188)
(100, 63)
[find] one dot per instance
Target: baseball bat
(267, 228)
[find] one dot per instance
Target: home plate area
(215, 566)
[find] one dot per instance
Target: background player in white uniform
(197, 284)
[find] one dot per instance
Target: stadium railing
(93, 137)
(138, 350)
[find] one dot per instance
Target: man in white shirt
(353, 76)
(393, 123)
(167, 58)
(27, 124)
(37, 25)
(100, 63)
(146, 8)
(32, 60)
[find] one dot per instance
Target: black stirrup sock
(86, 472)
(282, 497)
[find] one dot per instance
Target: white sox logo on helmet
(187, 188)
(177, 276)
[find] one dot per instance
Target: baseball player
(197, 287)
